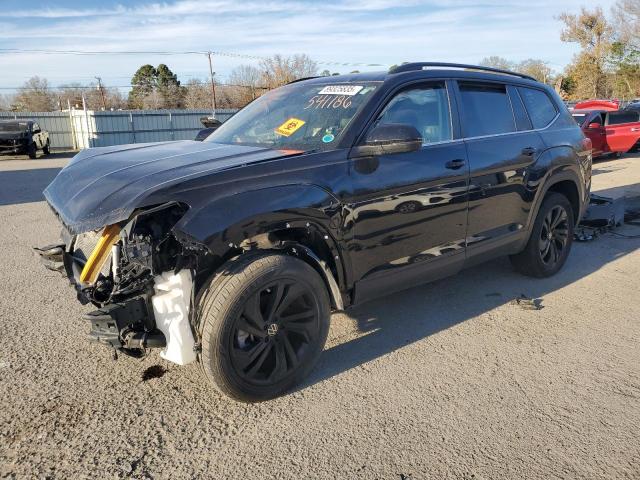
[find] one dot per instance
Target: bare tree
(279, 70)
(6, 101)
(197, 95)
(626, 14)
(246, 83)
(495, 61)
(35, 96)
(536, 68)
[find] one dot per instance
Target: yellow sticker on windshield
(289, 127)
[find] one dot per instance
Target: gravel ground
(456, 379)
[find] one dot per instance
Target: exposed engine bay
(140, 278)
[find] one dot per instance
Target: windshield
(579, 118)
(298, 116)
(13, 127)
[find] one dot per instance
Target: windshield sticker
(328, 138)
(340, 90)
(289, 127)
(330, 101)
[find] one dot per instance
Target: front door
(622, 130)
(594, 129)
(409, 210)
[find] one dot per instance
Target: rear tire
(46, 149)
(263, 324)
(550, 241)
(32, 151)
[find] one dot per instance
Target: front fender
(225, 222)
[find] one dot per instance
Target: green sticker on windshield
(328, 138)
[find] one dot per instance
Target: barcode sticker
(340, 90)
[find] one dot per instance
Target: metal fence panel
(83, 129)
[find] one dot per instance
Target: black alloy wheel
(274, 331)
(550, 240)
(554, 235)
(263, 322)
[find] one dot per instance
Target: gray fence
(58, 124)
(80, 129)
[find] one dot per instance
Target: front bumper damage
(139, 281)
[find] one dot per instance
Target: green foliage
(155, 88)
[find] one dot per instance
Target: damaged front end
(140, 278)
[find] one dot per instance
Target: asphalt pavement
(485, 375)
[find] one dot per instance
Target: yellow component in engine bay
(100, 254)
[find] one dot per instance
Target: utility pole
(104, 102)
(213, 88)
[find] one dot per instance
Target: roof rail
(411, 67)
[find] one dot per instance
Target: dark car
(23, 137)
(211, 124)
(234, 251)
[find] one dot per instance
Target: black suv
(23, 136)
(324, 193)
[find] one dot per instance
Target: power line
(217, 53)
(106, 87)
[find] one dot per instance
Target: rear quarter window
(540, 107)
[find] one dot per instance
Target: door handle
(455, 164)
(635, 129)
(529, 151)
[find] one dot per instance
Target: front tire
(46, 150)
(32, 151)
(550, 241)
(263, 324)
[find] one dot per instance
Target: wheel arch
(298, 220)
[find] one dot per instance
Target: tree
(497, 62)
(6, 101)
(155, 88)
(35, 96)
(536, 68)
(626, 14)
(279, 70)
(594, 34)
(197, 95)
(625, 61)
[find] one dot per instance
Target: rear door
(622, 130)
(410, 209)
(501, 143)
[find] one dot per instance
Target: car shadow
(386, 325)
(25, 186)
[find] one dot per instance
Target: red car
(610, 132)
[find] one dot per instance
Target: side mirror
(594, 126)
(388, 139)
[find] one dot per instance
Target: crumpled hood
(102, 186)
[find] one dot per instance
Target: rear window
(540, 107)
(13, 126)
(486, 109)
(617, 118)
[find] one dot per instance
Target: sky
(381, 32)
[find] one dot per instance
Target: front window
(298, 116)
(426, 108)
(579, 118)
